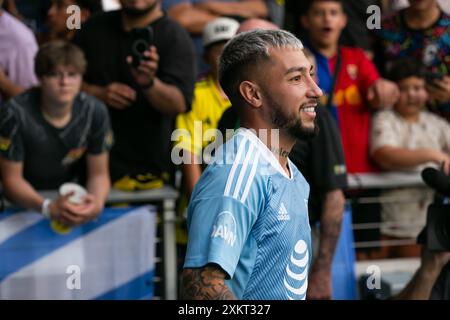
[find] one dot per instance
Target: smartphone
(142, 39)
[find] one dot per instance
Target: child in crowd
(408, 138)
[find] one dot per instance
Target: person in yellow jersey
(207, 108)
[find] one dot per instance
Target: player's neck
(275, 139)
(278, 145)
(282, 152)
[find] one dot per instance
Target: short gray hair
(245, 51)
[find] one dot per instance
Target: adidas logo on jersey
(283, 215)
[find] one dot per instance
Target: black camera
(141, 40)
(436, 234)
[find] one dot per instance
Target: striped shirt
(250, 218)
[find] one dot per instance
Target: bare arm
(98, 183)
(207, 283)
(17, 189)
(383, 94)
(166, 98)
(319, 286)
(246, 9)
(7, 87)
(193, 19)
(191, 174)
(22, 193)
(390, 157)
(420, 286)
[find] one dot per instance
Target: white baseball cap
(220, 29)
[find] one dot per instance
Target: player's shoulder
(237, 171)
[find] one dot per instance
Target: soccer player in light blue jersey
(249, 235)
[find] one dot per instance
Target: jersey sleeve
(225, 205)
(218, 229)
(177, 63)
(11, 140)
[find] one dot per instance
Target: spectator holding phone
(420, 31)
(46, 134)
(144, 100)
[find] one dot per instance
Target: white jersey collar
(266, 153)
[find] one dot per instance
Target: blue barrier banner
(111, 257)
(343, 268)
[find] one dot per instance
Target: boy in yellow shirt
(207, 108)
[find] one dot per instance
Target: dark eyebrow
(298, 69)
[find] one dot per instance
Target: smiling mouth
(310, 107)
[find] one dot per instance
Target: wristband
(45, 209)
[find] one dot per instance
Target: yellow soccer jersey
(207, 109)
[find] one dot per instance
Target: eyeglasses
(71, 75)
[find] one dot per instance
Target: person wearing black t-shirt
(142, 101)
(48, 133)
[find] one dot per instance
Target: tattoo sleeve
(207, 283)
(330, 228)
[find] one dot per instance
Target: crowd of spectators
(87, 105)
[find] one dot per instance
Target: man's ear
(344, 20)
(251, 93)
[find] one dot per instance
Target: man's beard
(137, 13)
(292, 126)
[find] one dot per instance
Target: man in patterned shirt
(421, 31)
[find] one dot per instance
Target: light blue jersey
(249, 217)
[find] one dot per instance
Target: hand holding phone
(142, 39)
(144, 58)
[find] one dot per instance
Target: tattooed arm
(206, 283)
(319, 281)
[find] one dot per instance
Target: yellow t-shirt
(207, 109)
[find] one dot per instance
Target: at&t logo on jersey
(296, 279)
(225, 228)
